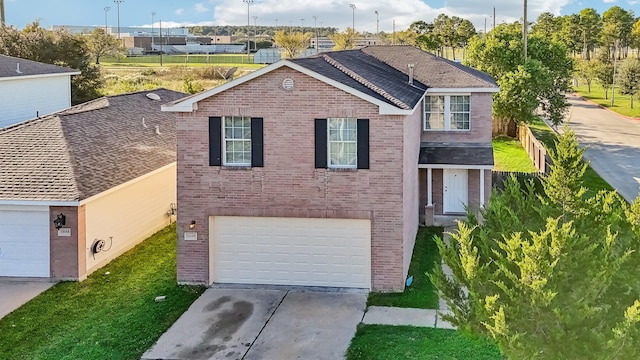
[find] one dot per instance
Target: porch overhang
(455, 156)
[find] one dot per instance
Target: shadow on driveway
(264, 324)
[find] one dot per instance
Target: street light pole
(353, 17)
(377, 23)
(153, 14)
(106, 9)
(255, 45)
(118, 2)
(315, 30)
(248, 2)
(525, 28)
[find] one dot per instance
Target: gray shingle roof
(434, 71)
(367, 75)
(87, 149)
(15, 67)
(455, 154)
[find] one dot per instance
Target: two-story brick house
(317, 171)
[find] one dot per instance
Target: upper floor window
(447, 112)
(343, 142)
(237, 141)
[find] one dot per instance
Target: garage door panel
(289, 251)
(24, 242)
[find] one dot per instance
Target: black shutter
(215, 141)
(257, 148)
(363, 143)
(321, 143)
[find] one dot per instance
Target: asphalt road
(613, 144)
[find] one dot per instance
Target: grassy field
(622, 103)
(508, 155)
(421, 293)
(380, 342)
(111, 315)
(592, 181)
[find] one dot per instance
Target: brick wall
(288, 184)
(64, 249)
(480, 131)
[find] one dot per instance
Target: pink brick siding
(411, 199)
(288, 184)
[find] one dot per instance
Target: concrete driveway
(14, 294)
(264, 324)
(613, 144)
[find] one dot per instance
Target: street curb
(605, 108)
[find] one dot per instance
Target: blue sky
(335, 13)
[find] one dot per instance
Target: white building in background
(31, 89)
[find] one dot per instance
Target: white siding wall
(129, 214)
(22, 99)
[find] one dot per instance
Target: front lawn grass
(108, 316)
(421, 293)
(384, 342)
(621, 104)
(509, 155)
(592, 181)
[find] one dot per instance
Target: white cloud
(609, 1)
(179, 11)
(200, 8)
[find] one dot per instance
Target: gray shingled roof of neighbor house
(455, 154)
(13, 67)
(82, 151)
(368, 75)
(429, 69)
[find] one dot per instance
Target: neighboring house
(81, 186)
(31, 89)
(317, 171)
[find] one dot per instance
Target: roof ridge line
(450, 63)
(352, 74)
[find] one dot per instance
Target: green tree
(590, 28)
(500, 54)
(292, 43)
(567, 36)
(628, 78)
(102, 44)
(426, 38)
(635, 35)
(58, 48)
(544, 282)
(587, 71)
(604, 72)
(616, 28)
(547, 25)
(345, 40)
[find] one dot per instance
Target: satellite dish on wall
(228, 75)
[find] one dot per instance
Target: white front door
(290, 251)
(455, 188)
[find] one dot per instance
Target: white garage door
(24, 241)
(291, 251)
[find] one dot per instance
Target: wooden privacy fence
(500, 177)
(537, 152)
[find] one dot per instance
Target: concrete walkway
(15, 293)
(387, 315)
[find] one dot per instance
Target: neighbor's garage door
(291, 251)
(24, 241)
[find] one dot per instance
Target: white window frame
(329, 141)
(447, 112)
(224, 142)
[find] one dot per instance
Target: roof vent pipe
(18, 68)
(158, 129)
(410, 73)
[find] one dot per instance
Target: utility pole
(118, 2)
(255, 45)
(1, 12)
(615, 65)
(248, 2)
(161, 42)
(525, 29)
(494, 17)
